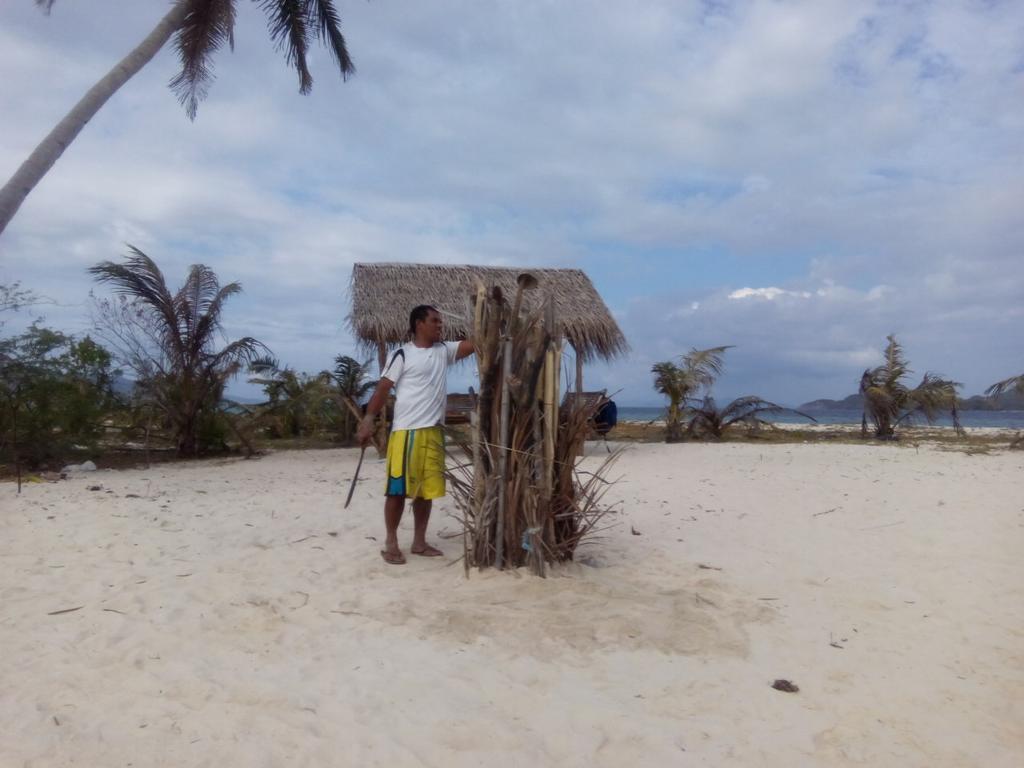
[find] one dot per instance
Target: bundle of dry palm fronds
(522, 500)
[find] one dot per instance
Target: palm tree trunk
(188, 439)
(45, 155)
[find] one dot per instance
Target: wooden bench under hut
(522, 501)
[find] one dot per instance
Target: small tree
(888, 402)
(54, 392)
(170, 341)
(682, 383)
(298, 404)
(354, 384)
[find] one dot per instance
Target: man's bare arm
(466, 348)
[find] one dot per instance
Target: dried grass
(383, 295)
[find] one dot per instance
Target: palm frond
(895, 367)
(191, 305)
(207, 26)
(932, 395)
(140, 279)
(666, 379)
(287, 21)
(209, 321)
(705, 365)
(323, 17)
(750, 409)
(709, 421)
(264, 364)
(353, 377)
(1014, 382)
(240, 351)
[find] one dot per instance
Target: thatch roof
(384, 294)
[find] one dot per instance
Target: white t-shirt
(420, 375)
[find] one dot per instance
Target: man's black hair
(419, 313)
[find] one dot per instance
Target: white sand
(222, 625)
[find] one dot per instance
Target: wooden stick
(579, 378)
(474, 431)
(506, 365)
(355, 478)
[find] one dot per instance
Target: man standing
(415, 461)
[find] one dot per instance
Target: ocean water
(1000, 419)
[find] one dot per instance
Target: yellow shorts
(416, 463)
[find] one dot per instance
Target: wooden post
(540, 505)
(474, 427)
(554, 398)
(506, 365)
(479, 475)
(550, 419)
(579, 378)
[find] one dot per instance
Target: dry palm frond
(514, 479)
(709, 421)
(703, 366)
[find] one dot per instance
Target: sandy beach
(232, 613)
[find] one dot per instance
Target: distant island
(1008, 401)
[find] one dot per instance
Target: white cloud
(856, 167)
(768, 293)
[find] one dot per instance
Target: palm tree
(297, 403)
(680, 384)
(710, 422)
(354, 384)
(170, 340)
(888, 402)
(200, 28)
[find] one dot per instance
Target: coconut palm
(888, 402)
(170, 341)
(354, 382)
(200, 28)
(681, 383)
(297, 403)
(710, 422)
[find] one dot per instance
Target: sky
(797, 178)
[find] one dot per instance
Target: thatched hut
(522, 501)
(383, 295)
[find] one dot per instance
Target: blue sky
(797, 179)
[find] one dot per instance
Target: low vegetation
(63, 398)
(689, 416)
(55, 391)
